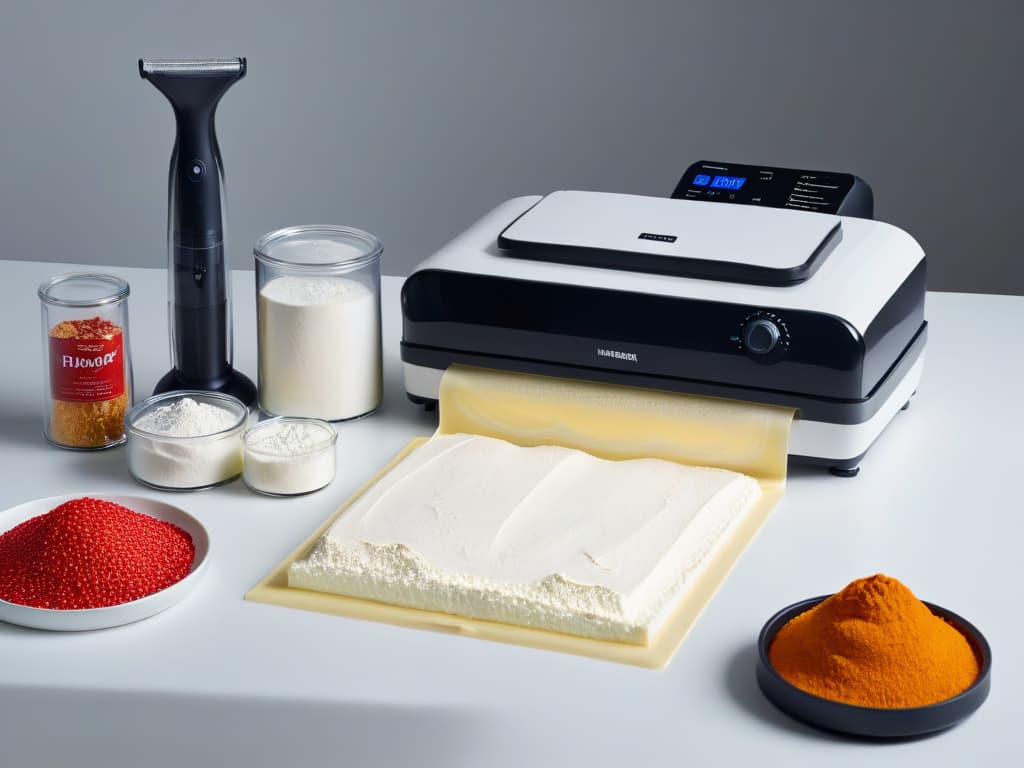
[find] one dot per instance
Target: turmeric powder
(874, 644)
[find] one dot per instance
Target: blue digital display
(728, 182)
(701, 180)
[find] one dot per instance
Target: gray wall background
(410, 119)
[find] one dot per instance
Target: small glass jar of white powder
(186, 440)
(318, 322)
(287, 456)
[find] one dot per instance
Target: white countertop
(220, 681)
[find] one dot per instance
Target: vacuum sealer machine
(774, 299)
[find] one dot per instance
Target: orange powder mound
(874, 644)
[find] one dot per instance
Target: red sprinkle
(89, 553)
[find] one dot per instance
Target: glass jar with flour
(318, 315)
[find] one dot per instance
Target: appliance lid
(687, 238)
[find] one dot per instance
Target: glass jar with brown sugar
(88, 387)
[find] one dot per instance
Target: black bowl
(869, 721)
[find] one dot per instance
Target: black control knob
(761, 336)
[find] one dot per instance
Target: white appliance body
(843, 344)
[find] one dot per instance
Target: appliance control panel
(763, 336)
(819, 191)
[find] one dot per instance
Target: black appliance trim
(809, 407)
(895, 322)
(551, 320)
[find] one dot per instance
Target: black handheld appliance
(199, 292)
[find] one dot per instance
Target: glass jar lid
(318, 247)
(83, 289)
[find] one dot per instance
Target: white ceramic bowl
(113, 615)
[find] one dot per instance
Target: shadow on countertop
(742, 686)
(20, 427)
(107, 728)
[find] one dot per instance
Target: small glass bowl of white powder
(186, 440)
(288, 456)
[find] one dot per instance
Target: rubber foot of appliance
(841, 472)
(429, 404)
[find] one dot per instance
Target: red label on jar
(86, 370)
